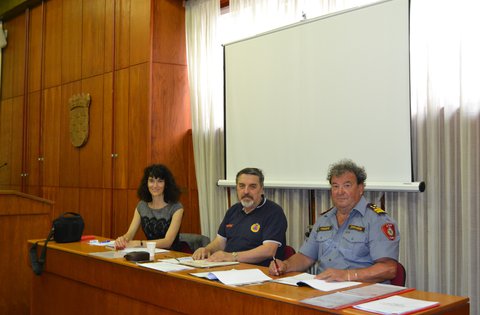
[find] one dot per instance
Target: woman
(159, 211)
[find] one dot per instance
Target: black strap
(37, 262)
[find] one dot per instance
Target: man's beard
(246, 202)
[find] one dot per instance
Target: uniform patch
(255, 227)
(324, 228)
(356, 228)
(389, 230)
(229, 226)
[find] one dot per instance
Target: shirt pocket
(324, 240)
(354, 244)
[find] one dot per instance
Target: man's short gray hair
(251, 171)
(346, 165)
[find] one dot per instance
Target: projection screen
(304, 96)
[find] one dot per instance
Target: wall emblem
(79, 118)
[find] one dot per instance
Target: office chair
(288, 251)
(193, 241)
(400, 277)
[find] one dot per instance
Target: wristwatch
(234, 254)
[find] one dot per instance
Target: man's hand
(331, 275)
(277, 267)
(221, 256)
(201, 253)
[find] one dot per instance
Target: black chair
(400, 277)
(194, 241)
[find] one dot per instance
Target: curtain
(440, 228)
(204, 58)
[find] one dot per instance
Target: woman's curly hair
(171, 192)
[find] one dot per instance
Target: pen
(276, 265)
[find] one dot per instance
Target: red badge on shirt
(389, 231)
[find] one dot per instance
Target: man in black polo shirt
(253, 230)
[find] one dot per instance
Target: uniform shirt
(155, 222)
(242, 231)
(363, 238)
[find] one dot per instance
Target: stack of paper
(396, 305)
(235, 277)
(203, 263)
(323, 285)
(294, 280)
(165, 266)
(339, 300)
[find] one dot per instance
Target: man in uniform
(253, 230)
(354, 240)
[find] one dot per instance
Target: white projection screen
(304, 96)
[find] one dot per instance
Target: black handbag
(67, 228)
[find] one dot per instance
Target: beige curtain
(440, 228)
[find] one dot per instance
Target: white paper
(293, 280)
(240, 277)
(206, 275)
(203, 263)
(112, 254)
(102, 243)
(323, 285)
(142, 249)
(395, 305)
(164, 266)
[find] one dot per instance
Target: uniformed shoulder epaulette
(325, 212)
(376, 209)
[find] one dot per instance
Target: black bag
(67, 228)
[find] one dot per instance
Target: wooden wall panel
(109, 35)
(69, 155)
(35, 49)
(7, 69)
(107, 130)
(138, 122)
(91, 162)
(106, 212)
(122, 34)
(53, 43)
(72, 46)
(90, 207)
(33, 139)
(16, 158)
(52, 103)
(6, 125)
(67, 199)
(169, 32)
(191, 221)
(18, 44)
(93, 42)
(140, 32)
(169, 86)
(120, 128)
(122, 211)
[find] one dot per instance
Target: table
(75, 282)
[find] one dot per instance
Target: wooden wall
(130, 56)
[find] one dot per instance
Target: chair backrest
(185, 248)
(288, 251)
(194, 241)
(400, 277)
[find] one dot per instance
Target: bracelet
(348, 274)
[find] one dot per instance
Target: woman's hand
(121, 242)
